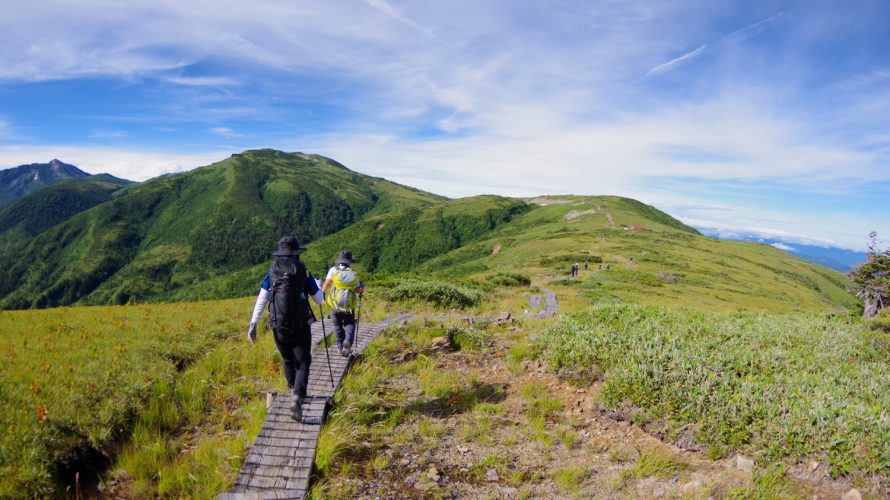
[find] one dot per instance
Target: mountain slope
(18, 182)
(177, 230)
(40, 210)
(641, 255)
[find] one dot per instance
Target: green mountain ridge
(169, 232)
(208, 233)
(20, 181)
(42, 209)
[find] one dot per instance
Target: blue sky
(767, 118)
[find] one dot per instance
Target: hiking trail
(280, 461)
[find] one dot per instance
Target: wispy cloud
(756, 28)
(864, 79)
(109, 134)
(389, 10)
(674, 63)
(731, 231)
(202, 81)
(226, 132)
(784, 247)
(130, 163)
(6, 131)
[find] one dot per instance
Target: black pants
(296, 353)
(344, 327)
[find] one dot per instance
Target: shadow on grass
(459, 401)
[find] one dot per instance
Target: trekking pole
(357, 318)
(327, 354)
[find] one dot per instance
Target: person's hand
(251, 333)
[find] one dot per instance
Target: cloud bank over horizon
(773, 115)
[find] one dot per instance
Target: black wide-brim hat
(345, 257)
(288, 246)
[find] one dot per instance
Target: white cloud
(202, 81)
(226, 132)
(109, 134)
(865, 79)
(784, 247)
(390, 11)
(730, 231)
(129, 164)
(756, 28)
(673, 63)
(6, 130)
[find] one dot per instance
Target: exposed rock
(439, 342)
(463, 449)
(509, 491)
(491, 475)
(625, 453)
(433, 474)
(744, 463)
(659, 492)
(600, 445)
(692, 487)
(852, 495)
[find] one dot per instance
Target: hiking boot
(347, 349)
(296, 409)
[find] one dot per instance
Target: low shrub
(434, 292)
(795, 386)
(510, 279)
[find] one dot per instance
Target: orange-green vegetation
(74, 380)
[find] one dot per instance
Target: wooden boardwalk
(280, 460)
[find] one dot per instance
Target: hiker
(287, 288)
(585, 265)
(342, 286)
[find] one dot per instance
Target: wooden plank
(279, 463)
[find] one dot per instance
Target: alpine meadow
(669, 364)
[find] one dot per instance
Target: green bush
(797, 386)
(510, 279)
(434, 292)
(570, 258)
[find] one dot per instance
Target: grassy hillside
(402, 240)
(171, 232)
(43, 209)
(173, 388)
(641, 255)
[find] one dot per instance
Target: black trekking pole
(327, 354)
(358, 316)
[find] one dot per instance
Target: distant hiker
(286, 288)
(342, 286)
(585, 265)
(599, 266)
(608, 266)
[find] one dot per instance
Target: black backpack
(289, 308)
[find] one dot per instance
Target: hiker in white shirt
(342, 286)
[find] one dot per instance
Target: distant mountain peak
(19, 181)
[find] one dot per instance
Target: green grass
(652, 462)
(788, 386)
(80, 379)
(570, 478)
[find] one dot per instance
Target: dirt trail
(575, 452)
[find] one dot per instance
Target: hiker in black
(286, 288)
(341, 284)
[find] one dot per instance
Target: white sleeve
(318, 297)
(261, 301)
(331, 272)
